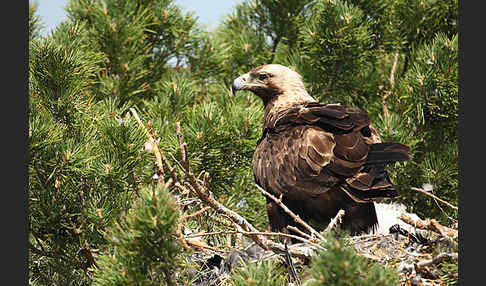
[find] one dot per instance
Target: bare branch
(427, 194)
(199, 188)
(248, 233)
(157, 153)
(300, 232)
(334, 221)
(437, 259)
(430, 224)
(388, 93)
(291, 213)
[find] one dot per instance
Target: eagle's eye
(262, 76)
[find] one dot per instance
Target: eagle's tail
(388, 152)
(372, 181)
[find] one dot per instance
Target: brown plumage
(320, 157)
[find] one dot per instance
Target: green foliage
(340, 265)
(279, 20)
(262, 273)
(397, 60)
(60, 73)
(430, 86)
(418, 21)
(449, 272)
(245, 46)
(427, 98)
(85, 162)
(138, 39)
(35, 25)
(145, 248)
(335, 55)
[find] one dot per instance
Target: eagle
(319, 158)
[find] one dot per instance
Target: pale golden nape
(283, 89)
(287, 81)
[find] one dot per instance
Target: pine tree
(334, 53)
(262, 273)
(138, 38)
(90, 177)
(144, 248)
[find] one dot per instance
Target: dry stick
(291, 213)
(264, 233)
(443, 211)
(393, 69)
(334, 221)
(428, 194)
(182, 145)
(171, 169)
(208, 198)
(430, 224)
(437, 259)
(157, 153)
(300, 232)
(177, 162)
(387, 93)
(203, 245)
(199, 212)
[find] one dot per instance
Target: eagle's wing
(316, 146)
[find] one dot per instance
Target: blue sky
(209, 12)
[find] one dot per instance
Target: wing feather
(313, 146)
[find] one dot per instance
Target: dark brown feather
(321, 158)
(316, 156)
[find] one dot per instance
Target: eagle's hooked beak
(240, 83)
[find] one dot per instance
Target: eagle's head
(270, 82)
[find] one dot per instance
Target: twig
(437, 259)
(158, 159)
(334, 221)
(290, 213)
(443, 211)
(293, 272)
(427, 194)
(300, 232)
(388, 93)
(393, 69)
(203, 245)
(182, 145)
(430, 224)
(177, 162)
(199, 212)
(249, 233)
